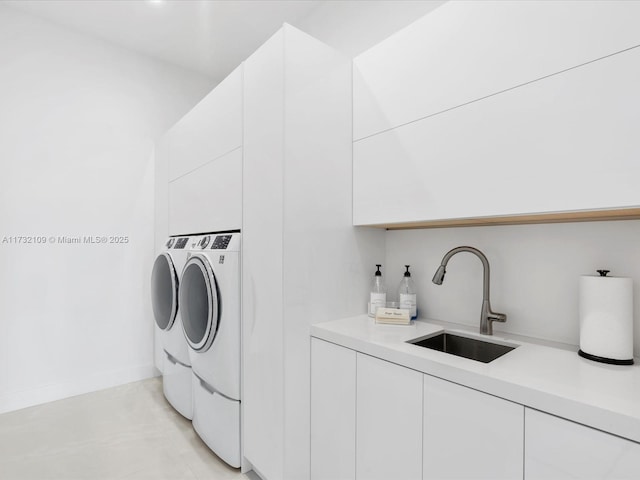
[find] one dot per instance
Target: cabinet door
(469, 434)
(262, 266)
(558, 448)
(565, 143)
(389, 421)
(211, 129)
(333, 412)
(464, 51)
(208, 199)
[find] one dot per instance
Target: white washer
(210, 307)
(176, 367)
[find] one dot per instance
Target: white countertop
(550, 379)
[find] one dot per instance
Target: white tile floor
(126, 432)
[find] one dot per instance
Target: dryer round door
(164, 291)
(199, 303)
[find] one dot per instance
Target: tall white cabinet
(303, 262)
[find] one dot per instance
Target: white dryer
(176, 367)
(210, 306)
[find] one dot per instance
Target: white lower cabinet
(333, 411)
(469, 434)
(372, 419)
(557, 449)
(389, 421)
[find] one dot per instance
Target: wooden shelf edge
(527, 219)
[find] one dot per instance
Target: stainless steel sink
(466, 347)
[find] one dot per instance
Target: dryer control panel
(221, 242)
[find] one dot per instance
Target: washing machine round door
(199, 303)
(164, 291)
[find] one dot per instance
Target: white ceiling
(212, 37)
(209, 36)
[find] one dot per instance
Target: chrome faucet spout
(438, 278)
(487, 316)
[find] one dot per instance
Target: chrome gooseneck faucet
(487, 316)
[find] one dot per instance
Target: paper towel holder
(599, 349)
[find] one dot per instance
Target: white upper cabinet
(205, 163)
(210, 130)
(566, 143)
(469, 434)
(209, 199)
(467, 50)
(500, 108)
(558, 448)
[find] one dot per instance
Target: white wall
(534, 272)
(78, 121)
(353, 26)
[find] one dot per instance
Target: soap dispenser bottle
(378, 294)
(407, 294)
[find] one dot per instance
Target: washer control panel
(221, 242)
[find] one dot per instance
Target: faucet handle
(497, 317)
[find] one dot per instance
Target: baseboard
(49, 393)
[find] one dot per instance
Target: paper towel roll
(606, 318)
